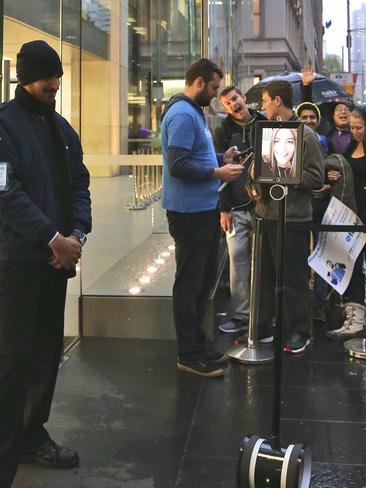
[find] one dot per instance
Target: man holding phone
(237, 129)
(191, 175)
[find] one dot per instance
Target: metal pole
(279, 294)
(253, 352)
(349, 38)
(204, 27)
(255, 282)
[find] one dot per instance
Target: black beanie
(37, 60)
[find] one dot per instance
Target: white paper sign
(336, 252)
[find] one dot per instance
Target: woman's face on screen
(284, 147)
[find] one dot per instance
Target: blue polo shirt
(187, 139)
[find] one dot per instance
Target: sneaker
(353, 326)
(216, 357)
(201, 368)
(233, 326)
(265, 339)
(50, 455)
(297, 343)
(319, 313)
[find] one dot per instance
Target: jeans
(239, 257)
(196, 237)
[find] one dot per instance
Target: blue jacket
(30, 209)
(189, 158)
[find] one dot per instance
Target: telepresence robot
(264, 462)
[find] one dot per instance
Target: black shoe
(50, 455)
(297, 343)
(216, 357)
(234, 326)
(202, 368)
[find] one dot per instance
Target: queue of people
(343, 135)
(306, 202)
(184, 172)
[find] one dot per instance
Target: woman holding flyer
(354, 296)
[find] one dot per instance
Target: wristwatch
(80, 235)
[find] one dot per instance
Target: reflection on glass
(98, 13)
(220, 42)
(164, 37)
(247, 20)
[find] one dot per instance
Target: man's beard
(202, 98)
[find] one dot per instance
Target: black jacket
(36, 204)
(228, 134)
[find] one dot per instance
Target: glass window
(71, 59)
(256, 18)
(220, 42)
(26, 21)
(164, 38)
(101, 131)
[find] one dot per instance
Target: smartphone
(239, 157)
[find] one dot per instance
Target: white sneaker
(353, 325)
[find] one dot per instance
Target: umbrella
(323, 89)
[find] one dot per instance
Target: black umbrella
(323, 89)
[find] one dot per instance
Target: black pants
(32, 302)
(196, 237)
(355, 291)
(295, 278)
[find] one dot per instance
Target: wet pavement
(138, 422)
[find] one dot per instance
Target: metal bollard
(136, 204)
(148, 178)
(253, 352)
(156, 193)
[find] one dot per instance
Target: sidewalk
(137, 422)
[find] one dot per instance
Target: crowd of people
(333, 156)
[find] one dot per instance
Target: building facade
(123, 59)
(273, 37)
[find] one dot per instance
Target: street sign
(345, 80)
